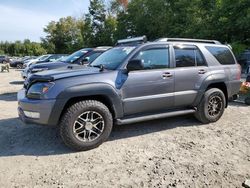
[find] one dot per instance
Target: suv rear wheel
(211, 106)
(85, 125)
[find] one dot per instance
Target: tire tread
(66, 120)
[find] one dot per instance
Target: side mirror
(135, 64)
(85, 61)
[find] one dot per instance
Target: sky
(25, 19)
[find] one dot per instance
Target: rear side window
(189, 57)
(222, 54)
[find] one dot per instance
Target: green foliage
(64, 36)
(99, 25)
(1, 52)
(223, 20)
(19, 48)
(238, 48)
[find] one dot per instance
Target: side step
(154, 116)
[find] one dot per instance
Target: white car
(32, 61)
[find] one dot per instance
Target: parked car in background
(34, 60)
(51, 58)
(4, 58)
(244, 61)
(83, 56)
(18, 63)
(13, 58)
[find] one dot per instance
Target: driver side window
(156, 58)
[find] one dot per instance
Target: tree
(20, 48)
(118, 6)
(223, 20)
(99, 25)
(64, 36)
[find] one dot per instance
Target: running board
(154, 116)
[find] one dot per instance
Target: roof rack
(132, 41)
(100, 47)
(187, 40)
(103, 47)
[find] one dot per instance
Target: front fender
(87, 90)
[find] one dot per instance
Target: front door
(150, 89)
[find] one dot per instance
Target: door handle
(202, 71)
(166, 75)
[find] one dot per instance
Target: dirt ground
(174, 152)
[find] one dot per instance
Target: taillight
(238, 76)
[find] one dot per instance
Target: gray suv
(133, 82)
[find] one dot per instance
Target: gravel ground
(174, 152)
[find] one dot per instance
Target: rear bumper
(41, 107)
(234, 88)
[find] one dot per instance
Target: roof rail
(187, 40)
(103, 47)
(132, 41)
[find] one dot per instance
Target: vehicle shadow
(148, 127)
(17, 138)
(33, 140)
(8, 96)
(238, 103)
(17, 82)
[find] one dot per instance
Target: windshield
(71, 58)
(43, 57)
(24, 58)
(111, 59)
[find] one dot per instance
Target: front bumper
(43, 107)
(24, 74)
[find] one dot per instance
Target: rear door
(150, 89)
(190, 71)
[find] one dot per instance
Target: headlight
(38, 89)
(38, 69)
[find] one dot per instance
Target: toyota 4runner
(133, 82)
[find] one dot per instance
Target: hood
(65, 72)
(50, 65)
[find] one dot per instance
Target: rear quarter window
(222, 54)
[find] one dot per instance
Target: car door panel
(151, 90)
(144, 89)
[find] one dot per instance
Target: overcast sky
(25, 19)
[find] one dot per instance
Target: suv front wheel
(211, 106)
(85, 125)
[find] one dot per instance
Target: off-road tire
(19, 66)
(202, 109)
(72, 113)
